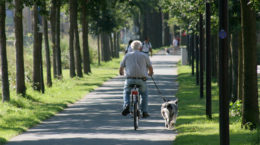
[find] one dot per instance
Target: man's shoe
(126, 111)
(145, 115)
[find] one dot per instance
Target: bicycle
(135, 104)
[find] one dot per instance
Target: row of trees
(101, 18)
(203, 21)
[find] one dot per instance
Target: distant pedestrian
(175, 43)
(147, 46)
(128, 47)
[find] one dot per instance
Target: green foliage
(192, 124)
(185, 13)
(107, 15)
(236, 108)
(234, 16)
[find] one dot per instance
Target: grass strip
(22, 113)
(193, 126)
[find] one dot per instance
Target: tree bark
(197, 60)
(223, 73)
(73, 13)
(144, 23)
(250, 110)
(201, 56)
(18, 22)
(117, 44)
(53, 33)
(188, 49)
(84, 23)
(111, 46)
(192, 54)
(98, 44)
(167, 37)
(106, 47)
(4, 65)
(77, 52)
(240, 91)
(208, 62)
(154, 31)
(47, 50)
(234, 57)
(230, 70)
(36, 51)
(41, 65)
(57, 35)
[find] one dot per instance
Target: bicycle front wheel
(136, 117)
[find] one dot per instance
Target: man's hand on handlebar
(150, 71)
(121, 71)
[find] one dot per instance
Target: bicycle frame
(134, 107)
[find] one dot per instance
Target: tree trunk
(84, 23)
(197, 60)
(18, 22)
(192, 53)
(73, 13)
(188, 49)
(240, 90)
(137, 24)
(208, 62)
(105, 47)
(250, 110)
(77, 51)
(223, 73)
(230, 70)
(117, 44)
(235, 43)
(36, 51)
(98, 43)
(41, 65)
(53, 37)
(47, 49)
(201, 56)
(58, 51)
(144, 23)
(111, 45)
(154, 32)
(167, 37)
(4, 65)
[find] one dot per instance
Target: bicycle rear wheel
(136, 117)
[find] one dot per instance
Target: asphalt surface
(96, 119)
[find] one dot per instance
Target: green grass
(193, 126)
(22, 113)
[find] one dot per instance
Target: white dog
(169, 111)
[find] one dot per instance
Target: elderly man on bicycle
(137, 66)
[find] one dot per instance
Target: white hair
(136, 45)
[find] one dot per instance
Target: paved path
(97, 120)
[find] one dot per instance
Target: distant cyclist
(137, 66)
(128, 47)
(147, 46)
